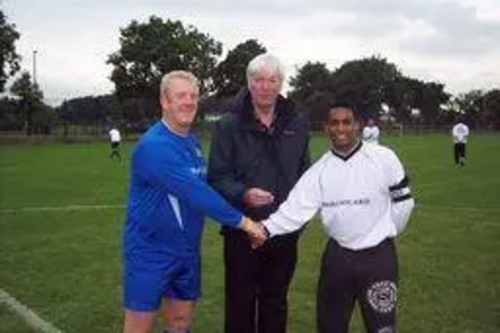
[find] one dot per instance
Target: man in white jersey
(371, 132)
(365, 202)
(460, 133)
(115, 139)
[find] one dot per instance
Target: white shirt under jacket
(364, 198)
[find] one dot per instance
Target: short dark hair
(346, 105)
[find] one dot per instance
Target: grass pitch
(62, 212)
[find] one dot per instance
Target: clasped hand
(256, 231)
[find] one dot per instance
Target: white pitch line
(60, 208)
(31, 318)
(466, 209)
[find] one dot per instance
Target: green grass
(66, 264)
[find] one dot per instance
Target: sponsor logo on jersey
(347, 202)
(199, 171)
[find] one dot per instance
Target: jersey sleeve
(301, 205)
(399, 191)
(164, 167)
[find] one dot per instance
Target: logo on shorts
(382, 296)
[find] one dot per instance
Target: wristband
(245, 224)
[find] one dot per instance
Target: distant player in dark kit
(115, 138)
(460, 134)
(363, 195)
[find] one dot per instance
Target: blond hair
(177, 74)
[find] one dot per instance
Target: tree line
(151, 48)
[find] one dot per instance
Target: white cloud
(454, 42)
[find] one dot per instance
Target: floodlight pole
(34, 67)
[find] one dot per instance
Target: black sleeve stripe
(402, 184)
(402, 198)
(266, 231)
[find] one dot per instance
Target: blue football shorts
(146, 283)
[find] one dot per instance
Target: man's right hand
(256, 231)
(256, 197)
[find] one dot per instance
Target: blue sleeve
(163, 165)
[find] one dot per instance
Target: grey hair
(177, 74)
(265, 61)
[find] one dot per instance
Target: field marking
(31, 318)
(467, 209)
(60, 208)
(106, 207)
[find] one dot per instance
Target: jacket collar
(284, 111)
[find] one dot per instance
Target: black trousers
(257, 283)
(368, 276)
(459, 152)
(115, 146)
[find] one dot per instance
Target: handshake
(257, 232)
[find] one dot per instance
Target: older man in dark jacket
(258, 153)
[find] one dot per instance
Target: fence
(99, 132)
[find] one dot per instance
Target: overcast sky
(456, 42)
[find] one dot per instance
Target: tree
(29, 99)
(230, 74)
(94, 112)
(366, 83)
(311, 90)
(429, 98)
(149, 50)
(469, 103)
(491, 108)
(9, 59)
(312, 77)
(401, 98)
(9, 115)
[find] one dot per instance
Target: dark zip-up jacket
(245, 154)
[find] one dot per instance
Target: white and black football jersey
(371, 134)
(363, 197)
(460, 133)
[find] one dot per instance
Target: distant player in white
(371, 132)
(115, 138)
(460, 133)
(365, 202)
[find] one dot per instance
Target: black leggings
(368, 276)
(459, 152)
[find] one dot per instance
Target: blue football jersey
(169, 197)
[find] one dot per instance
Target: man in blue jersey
(168, 200)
